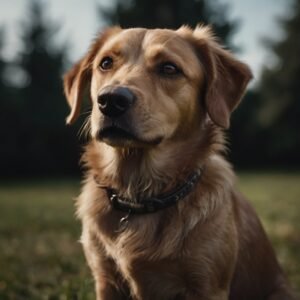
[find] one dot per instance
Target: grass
(276, 198)
(40, 257)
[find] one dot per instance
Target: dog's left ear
(226, 77)
(77, 80)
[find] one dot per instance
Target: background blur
(39, 172)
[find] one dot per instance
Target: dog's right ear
(78, 79)
(226, 78)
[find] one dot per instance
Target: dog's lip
(117, 134)
(114, 132)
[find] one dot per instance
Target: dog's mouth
(116, 133)
(116, 136)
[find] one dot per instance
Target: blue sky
(79, 23)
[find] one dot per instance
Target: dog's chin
(121, 138)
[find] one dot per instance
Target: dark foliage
(8, 114)
(279, 87)
(37, 141)
(171, 14)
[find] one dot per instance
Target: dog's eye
(169, 68)
(106, 63)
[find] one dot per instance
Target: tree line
(35, 141)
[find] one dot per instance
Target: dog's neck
(145, 172)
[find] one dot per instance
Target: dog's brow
(171, 38)
(120, 47)
(163, 43)
(172, 48)
(160, 53)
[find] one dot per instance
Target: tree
(6, 109)
(2, 62)
(3, 86)
(280, 116)
(171, 14)
(47, 147)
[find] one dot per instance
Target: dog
(161, 217)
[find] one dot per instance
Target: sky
(79, 22)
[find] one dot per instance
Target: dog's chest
(146, 260)
(161, 279)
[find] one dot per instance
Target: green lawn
(40, 257)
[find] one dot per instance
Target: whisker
(85, 128)
(86, 112)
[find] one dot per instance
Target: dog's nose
(113, 102)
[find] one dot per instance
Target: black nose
(115, 101)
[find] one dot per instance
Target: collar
(153, 204)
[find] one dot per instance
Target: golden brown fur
(211, 244)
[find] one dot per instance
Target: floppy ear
(78, 79)
(75, 83)
(226, 77)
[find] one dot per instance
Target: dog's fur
(210, 245)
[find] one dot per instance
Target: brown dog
(161, 217)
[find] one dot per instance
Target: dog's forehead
(162, 36)
(124, 39)
(144, 40)
(161, 40)
(144, 36)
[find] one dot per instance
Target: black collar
(153, 204)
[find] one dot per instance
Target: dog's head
(147, 86)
